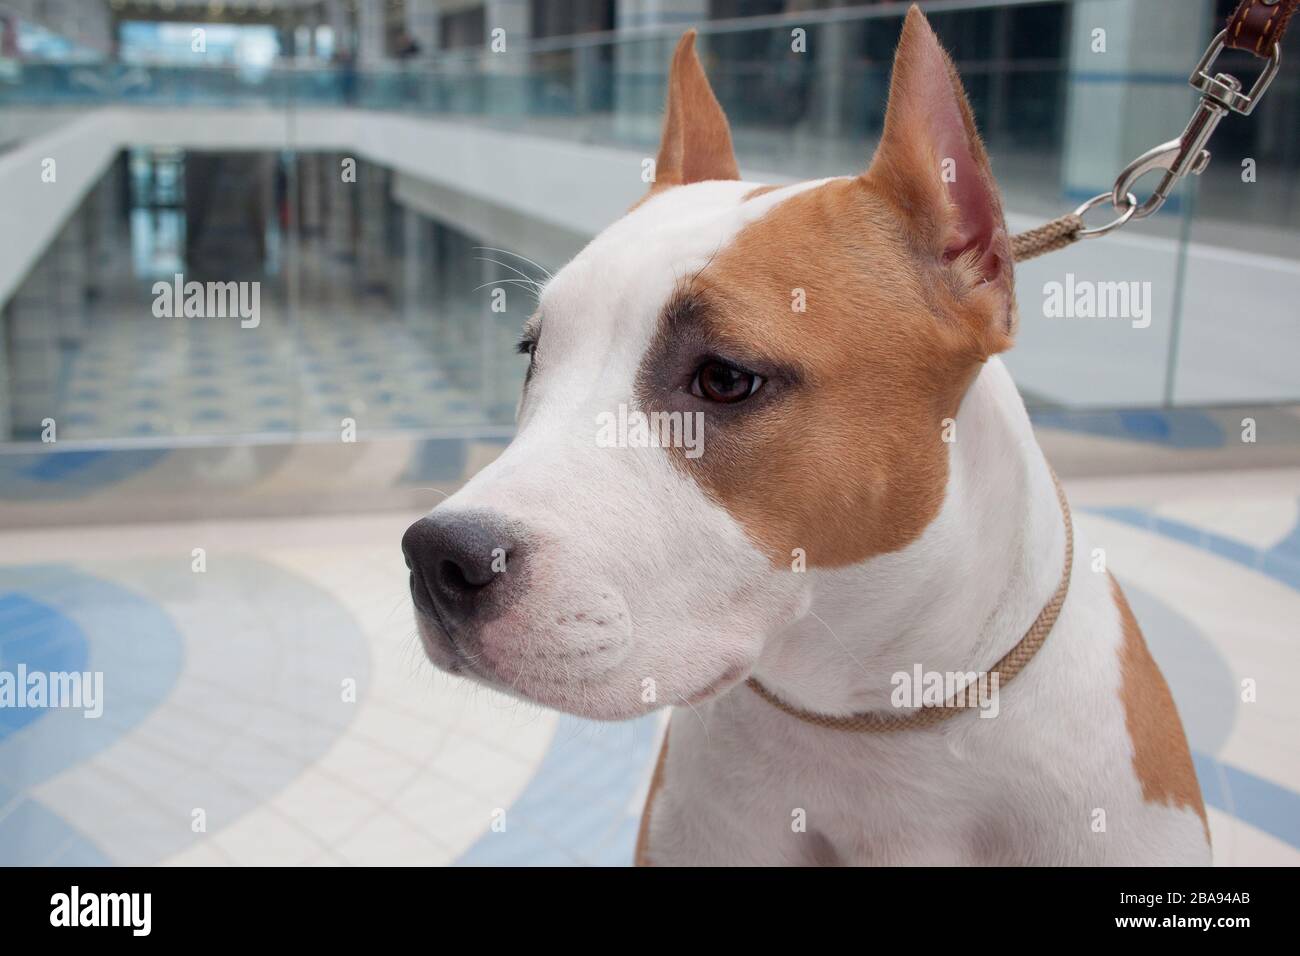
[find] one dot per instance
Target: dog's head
(819, 333)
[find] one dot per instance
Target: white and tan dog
(869, 500)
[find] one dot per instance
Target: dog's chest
(1050, 781)
(866, 800)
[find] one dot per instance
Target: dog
(868, 501)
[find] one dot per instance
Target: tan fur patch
(849, 461)
(642, 858)
(1161, 759)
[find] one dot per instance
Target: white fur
(638, 577)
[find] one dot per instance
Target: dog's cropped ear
(932, 166)
(696, 143)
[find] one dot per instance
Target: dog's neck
(957, 598)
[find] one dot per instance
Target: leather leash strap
(1256, 27)
(1011, 664)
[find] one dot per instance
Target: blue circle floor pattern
(204, 703)
(48, 617)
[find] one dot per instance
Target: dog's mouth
(574, 695)
(595, 679)
(439, 644)
(439, 647)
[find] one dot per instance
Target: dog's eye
(528, 346)
(719, 382)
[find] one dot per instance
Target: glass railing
(375, 304)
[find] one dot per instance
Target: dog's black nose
(456, 560)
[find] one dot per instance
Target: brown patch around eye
(848, 461)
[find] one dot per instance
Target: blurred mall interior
(391, 177)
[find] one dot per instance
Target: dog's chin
(601, 700)
(614, 695)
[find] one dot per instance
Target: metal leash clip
(1187, 155)
(1254, 24)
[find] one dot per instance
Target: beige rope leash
(1049, 237)
(1011, 664)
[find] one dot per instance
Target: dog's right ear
(696, 144)
(932, 166)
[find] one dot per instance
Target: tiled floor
(275, 707)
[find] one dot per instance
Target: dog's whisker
(708, 262)
(509, 281)
(697, 714)
(436, 491)
(526, 281)
(536, 265)
(520, 673)
(506, 265)
(396, 607)
(862, 667)
(519, 277)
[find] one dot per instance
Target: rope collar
(1012, 663)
